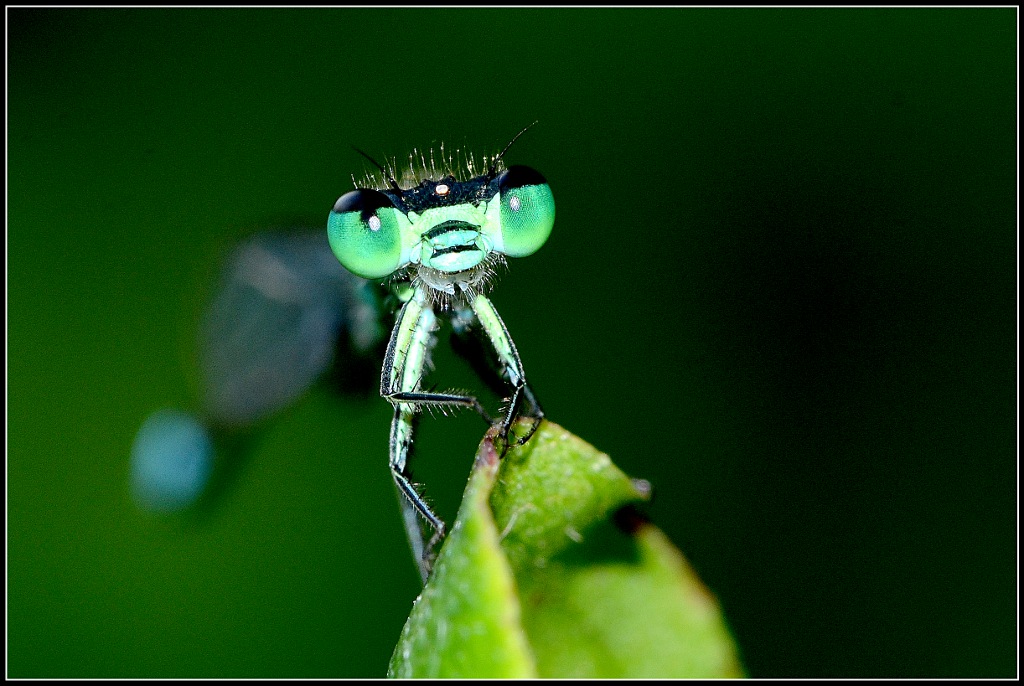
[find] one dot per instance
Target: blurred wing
(172, 458)
(271, 329)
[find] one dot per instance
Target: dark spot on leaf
(629, 519)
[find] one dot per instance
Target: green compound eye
(527, 210)
(364, 232)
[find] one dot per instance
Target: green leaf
(550, 571)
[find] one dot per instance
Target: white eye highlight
(514, 203)
(374, 223)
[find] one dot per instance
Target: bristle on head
(431, 165)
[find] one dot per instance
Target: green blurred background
(781, 287)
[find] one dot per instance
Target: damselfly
(441, 232)
(284, 305)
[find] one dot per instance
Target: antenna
(494, 162)
(388, 175)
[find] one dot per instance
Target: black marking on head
(366, 201)
(455, 249)
(518, 176)
(450, 225)
(423, 197)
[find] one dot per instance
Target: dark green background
(781, 287)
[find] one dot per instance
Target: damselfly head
(446, 226)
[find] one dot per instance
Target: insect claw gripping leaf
(438, 235)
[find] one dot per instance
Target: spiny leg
(510, 366)
(415, 510)
(407, 357)
(442, 399)
(524, 393)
